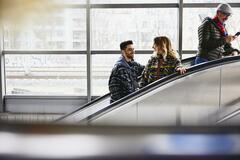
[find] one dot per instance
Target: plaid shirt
(166, 67)
(123, 79)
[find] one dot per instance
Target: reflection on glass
(193, 17)
(46, 74)
(139, 25)
(102, 68)
(61, 29)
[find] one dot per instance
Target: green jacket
(166, 67)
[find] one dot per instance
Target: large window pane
(184, 56)
(70, 1)
(46, 74)
(102, 67)
(140, 25)
(131, 1)
(65, 29)
(193, 17)
(233, 26)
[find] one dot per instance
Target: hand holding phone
(230, 38)
(237, 34)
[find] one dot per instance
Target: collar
(123, 61)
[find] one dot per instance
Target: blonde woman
(163, 62)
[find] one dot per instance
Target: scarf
(220, 25)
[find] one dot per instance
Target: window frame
(88, 7)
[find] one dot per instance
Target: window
(139, 25)
(70, 1)
(192, 18)
(232, 26)
(53, 33)
(184, 56)
(65, 29)
(46, 74)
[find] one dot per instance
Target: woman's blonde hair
(164, 43)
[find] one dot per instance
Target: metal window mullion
(43, 52)
(2, 71)
(7, 52)
(139, 5)
(180, 27)
(119, 52)
(207, 5)
(89, 58)
(137, 51)
(189, 51)
(143, 5)
(180, 23)
(44, 97)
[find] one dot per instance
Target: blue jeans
(199, 60)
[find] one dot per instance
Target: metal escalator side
(100, 103)
(211, 69)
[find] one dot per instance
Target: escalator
(204, 95)
(101, 102)
(207, 94)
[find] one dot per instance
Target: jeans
(199, 60)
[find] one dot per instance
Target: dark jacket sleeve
(205, 40)
(145, 75)
(126, 80)
(177, 63)
(140, 69)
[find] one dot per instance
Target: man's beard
(130, 56)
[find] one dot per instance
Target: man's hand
(234, 53)
(230, 38)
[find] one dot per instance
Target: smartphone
(237, 34)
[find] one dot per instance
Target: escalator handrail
(190, 59)
(186, 60)
(84, 106)
(191, 70)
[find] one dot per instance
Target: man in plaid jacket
(124, 75)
